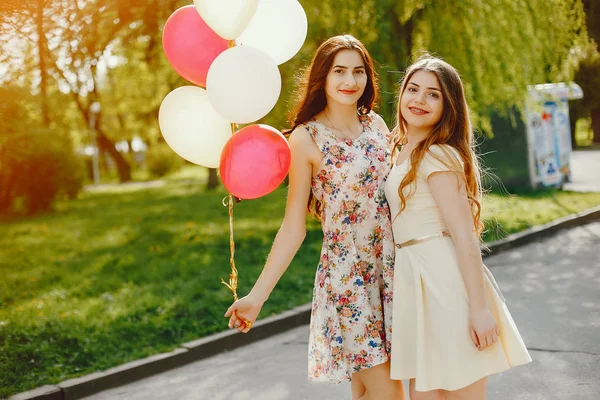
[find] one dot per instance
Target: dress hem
(460, 386)
(337, 382)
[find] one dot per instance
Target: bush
(505, 154)
(35, 169)
(161, 160)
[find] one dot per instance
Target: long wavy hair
(454, 129)
(311, 99)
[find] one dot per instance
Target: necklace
(339, 130)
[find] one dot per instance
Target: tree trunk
(42, 46)
(573, 123)
(397, 51)
(6, 193)
(213, 180)
(105, 144)
(596, 124)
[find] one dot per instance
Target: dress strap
(367, 119)
(321, 138)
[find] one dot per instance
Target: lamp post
(94, 111)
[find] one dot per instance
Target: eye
(360, 71)
(338, 71)
(412, 89)
(434, 95)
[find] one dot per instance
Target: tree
(588, 75)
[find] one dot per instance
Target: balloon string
(233, 276)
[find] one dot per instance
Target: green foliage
(35, 169)
(161, 160)
(81, 293)
(499, 47)
(504, 153)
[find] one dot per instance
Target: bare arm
(293, 229)
(290, 236)
(449, 193)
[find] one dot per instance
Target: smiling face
(347, 78)
(422, 102)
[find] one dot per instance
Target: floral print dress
(352, 298)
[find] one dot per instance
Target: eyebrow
(432, 88)
(344, 67)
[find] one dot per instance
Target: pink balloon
(254, 161)
(190, 45)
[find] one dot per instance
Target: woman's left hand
(483, 328)
(243, 313)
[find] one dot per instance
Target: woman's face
(422, 102)
(347, 78)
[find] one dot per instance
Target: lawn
(123, 273)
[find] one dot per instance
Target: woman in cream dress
(451, 328)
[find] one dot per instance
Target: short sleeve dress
(430, 337)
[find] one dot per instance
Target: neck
(341, 115)
(416, 135)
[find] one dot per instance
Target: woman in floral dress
(340, 160)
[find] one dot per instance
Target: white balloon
(278, 28)
(192, 127)
(228, 18)
(243, 84)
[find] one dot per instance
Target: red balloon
(254, 161)
(190, 45)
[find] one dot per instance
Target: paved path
(552, 289)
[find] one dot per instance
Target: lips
(348, 92)
(417, 111)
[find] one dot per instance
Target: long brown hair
(311, 98)
(453, 129)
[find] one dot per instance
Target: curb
(541, 231)
(87, 385)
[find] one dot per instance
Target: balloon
(279, 29)
(192, 127)
(255, 161)
(190, 45)
(243, 84)
(228, 18)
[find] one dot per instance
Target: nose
(351, 79)
(420, 98)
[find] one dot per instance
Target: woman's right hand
(245, 309)
(483, 327)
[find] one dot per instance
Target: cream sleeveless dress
(430, 332)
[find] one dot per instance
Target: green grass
(506, 214)
(124, 273)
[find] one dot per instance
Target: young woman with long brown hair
(451, 328)
(340, 159)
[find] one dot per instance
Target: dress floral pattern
(352, 298)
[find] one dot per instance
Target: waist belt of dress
(446, 233)
(423, 238)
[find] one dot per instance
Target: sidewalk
(552, 290)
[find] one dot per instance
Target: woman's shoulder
(301, 134)
(444, 152)
(439, 158)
